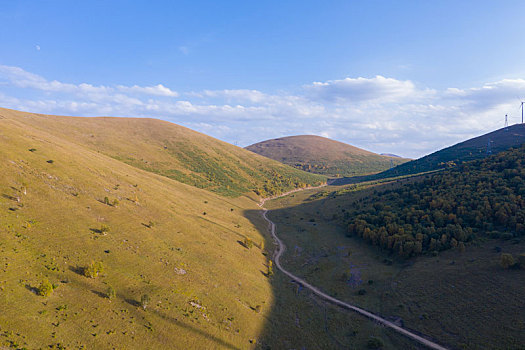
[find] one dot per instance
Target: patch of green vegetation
(448, 210)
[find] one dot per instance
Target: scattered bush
(115, 203)
(45, 289)
(270, 268)
(51, 161)
(248, 243)
(94, 269)
(144, 301)
(361, 292)
(32, 150)
(104, 229)
(507, 260)
(110, 293)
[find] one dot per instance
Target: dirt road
(277, 256)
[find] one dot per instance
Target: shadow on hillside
(436, 294)
(298, 319)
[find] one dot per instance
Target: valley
(102, 247)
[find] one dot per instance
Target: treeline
(448, 209)
(277, 183)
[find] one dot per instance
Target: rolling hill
(321, 155)
(475, 148)
(173, 151)
(81, 194)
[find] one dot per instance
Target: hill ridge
(321, 155)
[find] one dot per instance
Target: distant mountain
(390, 155)
(321, 155)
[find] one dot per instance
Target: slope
(321, 155)
(475, 148)
(65, 205)
(173, 151)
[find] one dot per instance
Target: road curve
(277, 256)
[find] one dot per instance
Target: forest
(450, 209)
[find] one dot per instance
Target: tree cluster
(448, 209)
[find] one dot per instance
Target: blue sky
(406, 77)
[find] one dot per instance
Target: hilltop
(173, 151)
(321, 155)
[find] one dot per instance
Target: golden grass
(51, 214)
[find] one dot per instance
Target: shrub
(110, 293)
(104, 229)
(106, 200)
(32, 150)
(507, 260)
(374, 343)
(248, 243)
(45, 289)
(115, 203)
(361, 292)
(144, 301)
(270, 268)
(51, 161)
(94, 269)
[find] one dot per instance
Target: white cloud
(379, 114)
(355, 90)
(158, 90)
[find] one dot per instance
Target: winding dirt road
(277, 256)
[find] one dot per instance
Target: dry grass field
(66, 203)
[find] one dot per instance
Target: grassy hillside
(64, 206)
(450, 209)
(320, 155)
(475, 148)
(173, 151)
